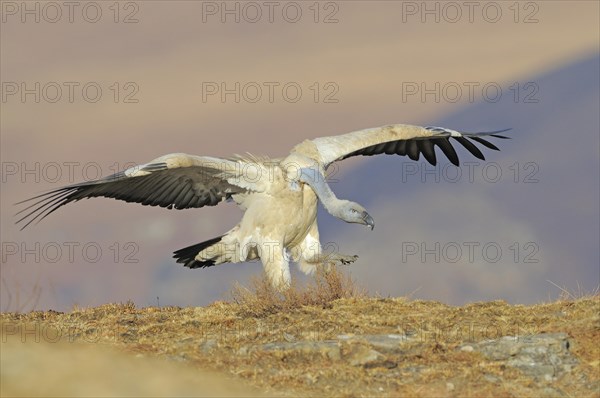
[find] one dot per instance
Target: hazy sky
(89, 89)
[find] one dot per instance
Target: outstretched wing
(175, 181)
(397, 139)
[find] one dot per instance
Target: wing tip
(495, 133)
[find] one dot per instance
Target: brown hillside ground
(263, 343)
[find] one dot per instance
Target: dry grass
(224, 336)
(580, 293)
(220, 337)
(326, 286)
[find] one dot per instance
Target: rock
(290, 338)
(357, 352)
(327, 348)
(413, 369)
(492, 378)
(388, 343)
(208, 345)
(310, 379)
(361, 355)
(544, 356)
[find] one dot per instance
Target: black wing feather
(428, 151)
(448, 149)
(469, 146)
(426, 145)
(485, 143)
(178, 188)
(412, 149)
(187, 255)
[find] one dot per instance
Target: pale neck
(317, 182)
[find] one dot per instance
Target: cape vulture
(279, 195)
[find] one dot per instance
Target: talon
(349, 259)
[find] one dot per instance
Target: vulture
(279, 196)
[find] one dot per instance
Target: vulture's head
(354, 213)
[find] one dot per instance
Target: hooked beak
(368, 220)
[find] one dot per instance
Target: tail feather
(187, 255)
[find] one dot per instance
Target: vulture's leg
(275, 261)
(310, 254)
